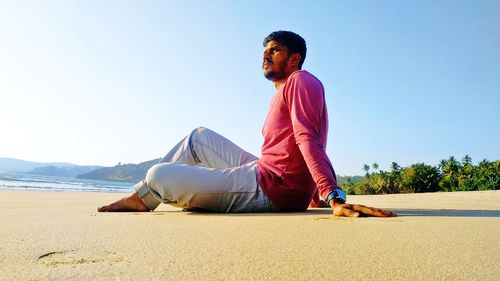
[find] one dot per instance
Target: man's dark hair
(292, 41)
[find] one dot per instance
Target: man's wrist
(335, 202)
(335, 197)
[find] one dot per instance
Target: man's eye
(272, 51)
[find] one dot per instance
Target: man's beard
(276, 75)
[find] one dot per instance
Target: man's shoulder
(304, 76)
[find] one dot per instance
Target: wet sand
(60, 236)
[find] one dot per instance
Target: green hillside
(70, 171)
(121, 172)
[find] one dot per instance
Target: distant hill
(71, 171)
(22, 166)
(354, 179)
(123, 172)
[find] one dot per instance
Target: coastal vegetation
(449, 175)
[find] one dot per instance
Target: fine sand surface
(437, 236)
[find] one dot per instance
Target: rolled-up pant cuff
(147, 197)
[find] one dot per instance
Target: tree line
(449, 175)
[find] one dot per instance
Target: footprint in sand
(74, 257)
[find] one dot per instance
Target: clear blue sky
(102, 82)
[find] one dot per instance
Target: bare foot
(131, 203)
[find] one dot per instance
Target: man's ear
(294, 60)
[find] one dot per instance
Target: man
(207, 171)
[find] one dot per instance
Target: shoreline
(59, 235)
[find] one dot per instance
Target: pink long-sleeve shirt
(294, 164)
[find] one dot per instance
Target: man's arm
(306, 102)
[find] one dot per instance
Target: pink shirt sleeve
(306, 102)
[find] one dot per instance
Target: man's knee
(199, 132)
(200, 135)
(157, 175)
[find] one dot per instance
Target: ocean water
(18, 181)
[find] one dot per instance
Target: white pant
(206, 171)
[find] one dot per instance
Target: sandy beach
(437, 236)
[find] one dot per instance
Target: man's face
(275, 61)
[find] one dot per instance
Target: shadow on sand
(447, 213)
(400, 212)
(327, 211)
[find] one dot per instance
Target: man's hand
(318, 204)
(356, 210)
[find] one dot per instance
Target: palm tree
(366, 168)
(467, 160)
(450, 169)
(375, 166)
(395, 168)
(394, 178)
